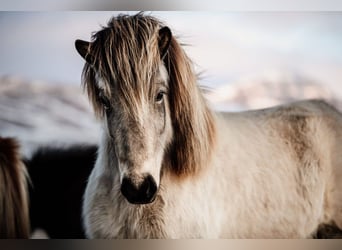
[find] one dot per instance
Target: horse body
(169, 167)
(279, 169)
(272, 176)
(58, 177)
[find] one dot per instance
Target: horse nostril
(128, 189)
(149, 187)
(142, 194)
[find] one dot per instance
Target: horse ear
(164, 40)
(83, 48)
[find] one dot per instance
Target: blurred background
(248, 60)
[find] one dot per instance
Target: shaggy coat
(271, 173)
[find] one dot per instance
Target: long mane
(126, 53)
(126, 44)
(14, 215)
(193, 122)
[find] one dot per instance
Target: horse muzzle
(142, 193)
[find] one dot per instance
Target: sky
(225, 46)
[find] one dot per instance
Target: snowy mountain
(37, 113)
(270, 90)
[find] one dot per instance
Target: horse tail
(14, 211)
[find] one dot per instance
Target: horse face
(140, 130)
(128, 85)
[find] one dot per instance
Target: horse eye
(104, 100)
(160, 96)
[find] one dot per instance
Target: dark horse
(59, 177)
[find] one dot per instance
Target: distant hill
(266, 92)
(37, 113)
